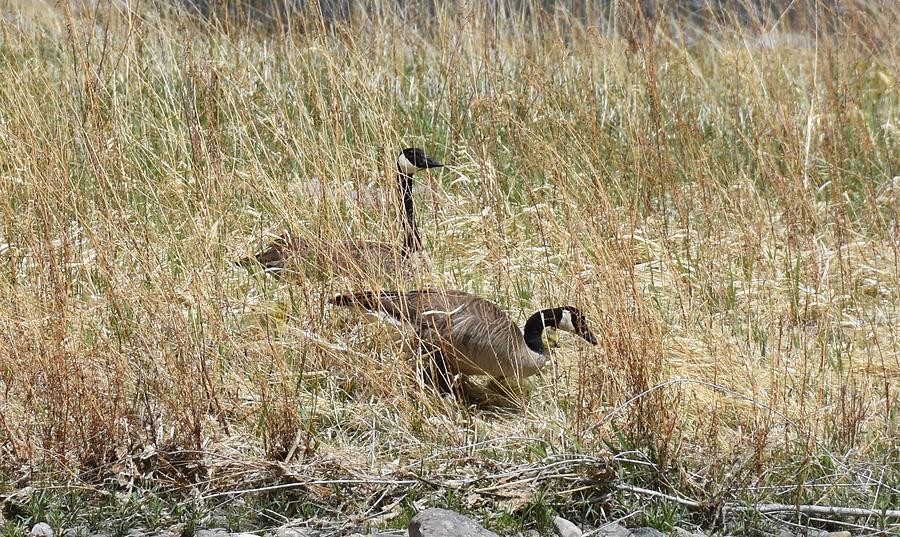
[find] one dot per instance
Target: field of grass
(720, 199)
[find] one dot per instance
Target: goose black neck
(534, 328)
(411, 242)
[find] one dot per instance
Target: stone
(812, 532)
(213, 532)
(436, 522)
(613, 529)
(41, 529)
(297, 532)
(681, 532)
(564, 528)
(647, 532)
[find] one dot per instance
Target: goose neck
(412, 242)
(534, 329)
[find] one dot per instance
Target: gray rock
(41, 529)
(435, 522)
(647, 532)
(297, 532)
(564, 528)
(681, 532)
(77, 531)
(613, 529)
(531, 533)
(213, 532)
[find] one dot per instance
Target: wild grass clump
(719, 195)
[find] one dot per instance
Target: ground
(720, 197)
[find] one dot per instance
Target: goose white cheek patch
(566, 322)
(405, 165)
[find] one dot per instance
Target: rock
(681, 532)
(647, 532)
(613, 529)
(166, 533)
(41, 529)
(435, 522)
(564, 528)
(214, 532)
(811, 532)
(297, 532)
(531, 533)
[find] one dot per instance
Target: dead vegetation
(723, 206)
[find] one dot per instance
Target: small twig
(773, 507)
(312, 482)
(818, 510)
(610, 523)
(848, 524)
(648, 492)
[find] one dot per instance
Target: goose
(291, 255)
(469, 334)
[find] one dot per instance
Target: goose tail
(370, 300)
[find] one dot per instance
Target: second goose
(290, 255)
(471, 335)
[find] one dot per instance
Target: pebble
(41, 529)
(435, 522)
(214, 532)
(298, 532)
(564, 528)
(613, 529)
(681, 532)
(647, 532)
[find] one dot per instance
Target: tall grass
(720, 198)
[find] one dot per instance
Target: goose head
(569, 319)
(413, 159)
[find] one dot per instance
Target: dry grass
(724, 206)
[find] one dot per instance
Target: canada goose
(472, 335)
(291, 255)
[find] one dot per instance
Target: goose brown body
(474, 336)
(290, 256)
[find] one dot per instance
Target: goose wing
(474, 335)
(353, 258)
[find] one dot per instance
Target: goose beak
(431, 163)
